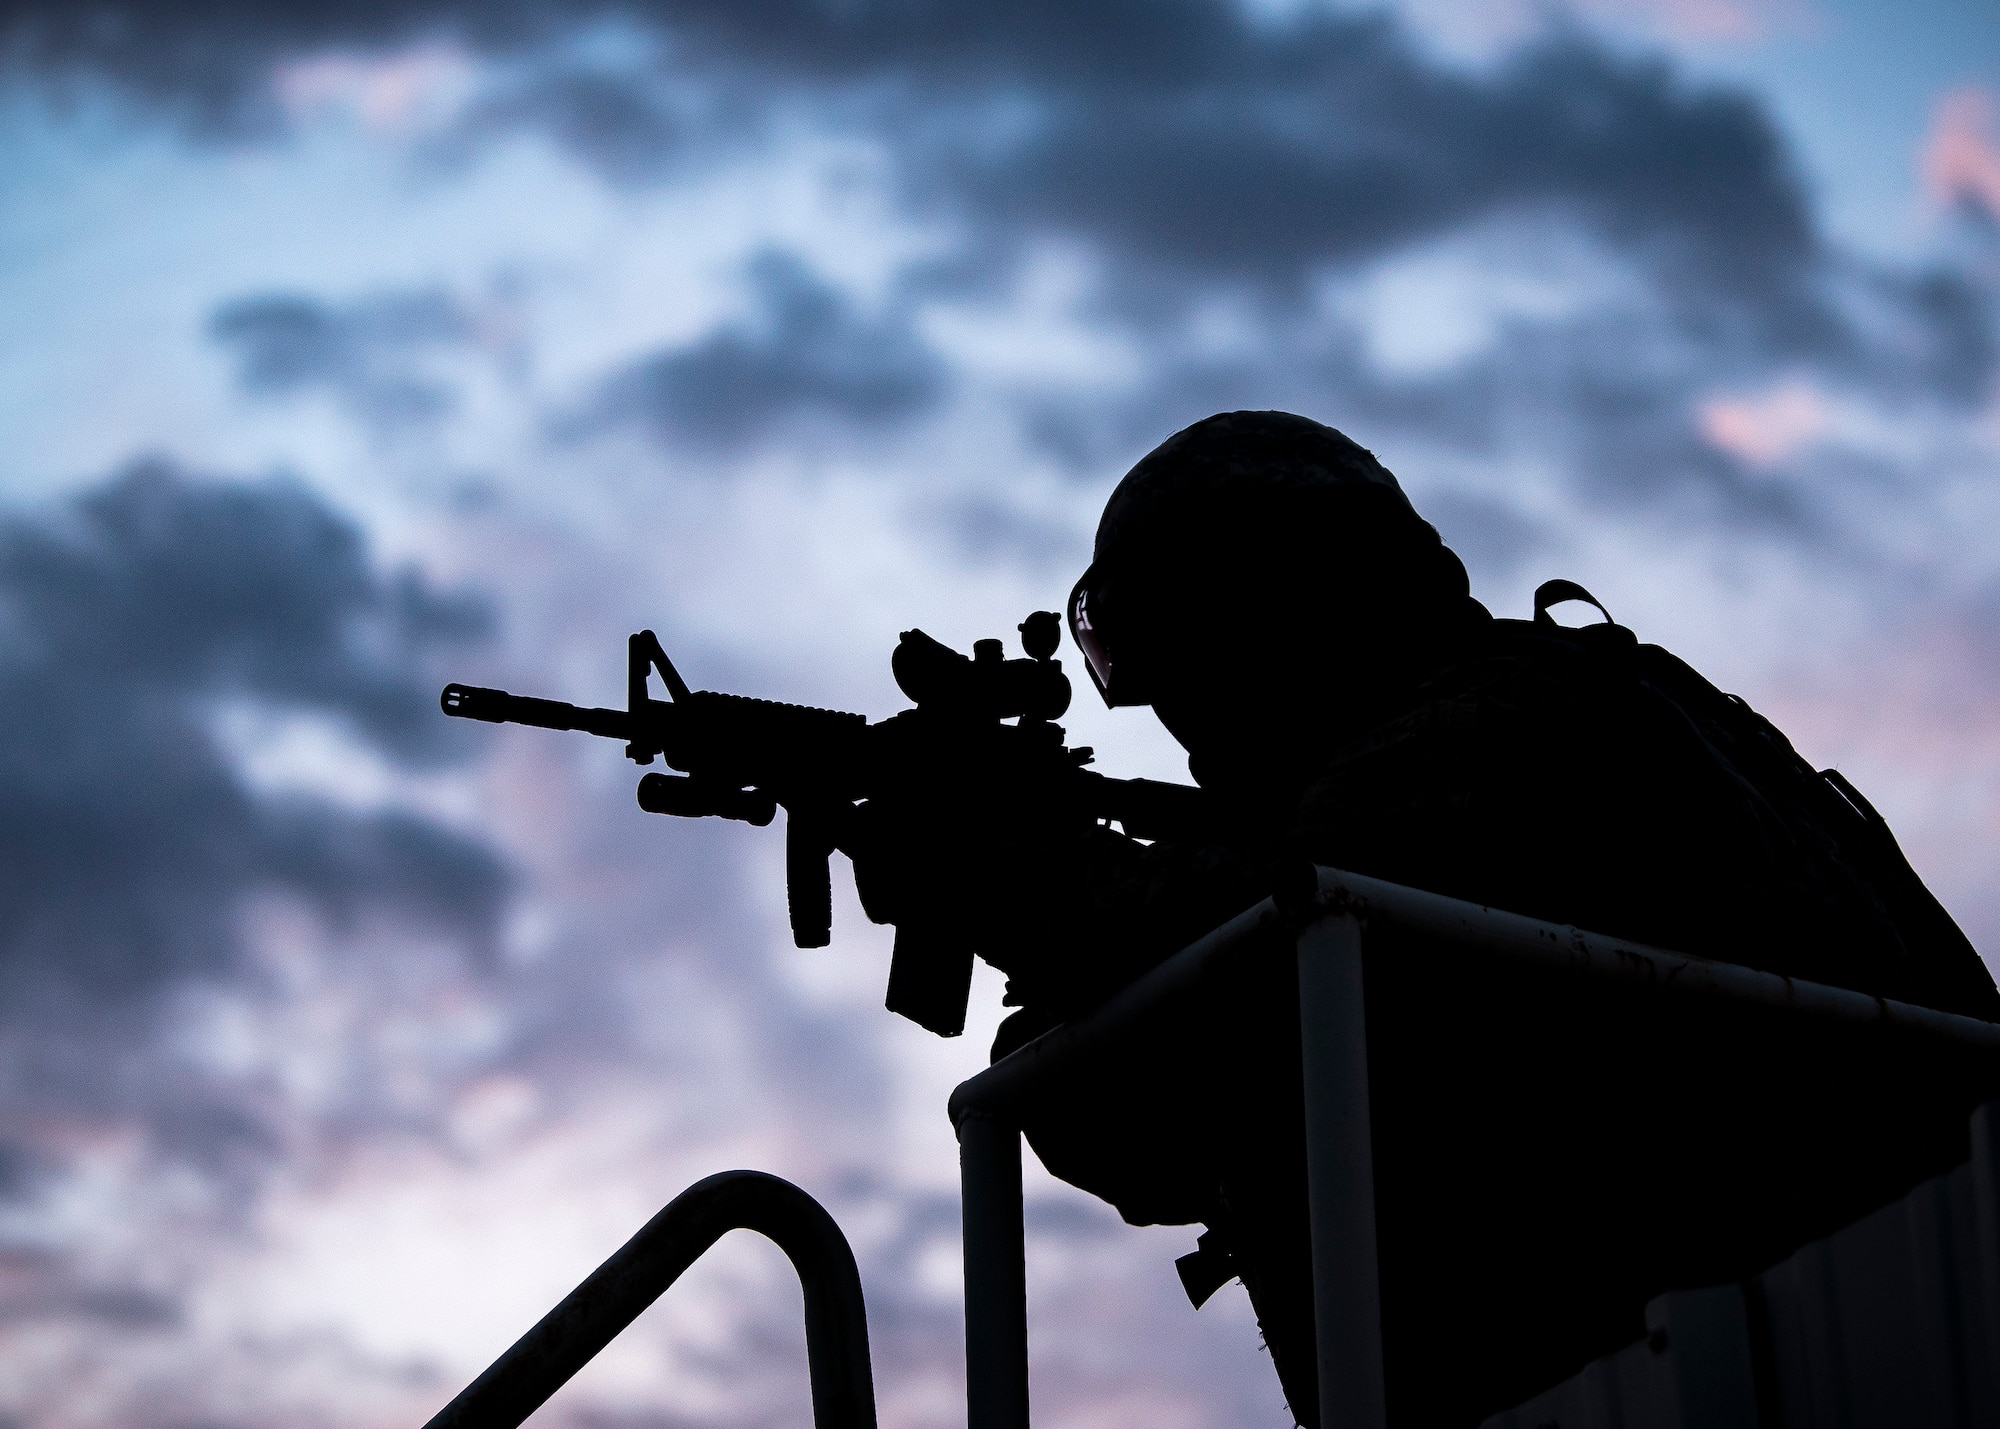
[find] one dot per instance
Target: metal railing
(592, 1315)
(1330, 929)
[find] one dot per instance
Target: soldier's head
(1260, 574)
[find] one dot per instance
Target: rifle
(743, 758)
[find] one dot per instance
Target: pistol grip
(808, 880)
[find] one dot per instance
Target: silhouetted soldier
(1263, 583)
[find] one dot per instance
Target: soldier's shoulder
(1506, 667)
(1516, 695)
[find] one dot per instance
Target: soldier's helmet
(1263, 528)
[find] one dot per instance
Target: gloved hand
(929, 879)
(992, 873)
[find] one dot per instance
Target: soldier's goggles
(1089, 636)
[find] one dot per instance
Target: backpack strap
(1555, 592)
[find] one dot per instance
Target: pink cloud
(1766, 429)
(389, 94)
(1960, 162)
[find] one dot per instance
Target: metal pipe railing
(1340, 1176)
(1006, 1088)
(614, 1295)
(1679, 975)
(1330, 927)
(996, 1275)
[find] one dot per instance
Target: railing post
(1985, 1164)
(1340, 1175)
(639, 1272)
(996, 1275)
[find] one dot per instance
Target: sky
(351, 349)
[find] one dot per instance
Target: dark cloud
(211, 62)
(1198, 152)
(1190, 144)
(1187, 134)
(1264, 157)
(1927, 333)
(1613, 399)
(1195, 150)
(131, 621)
(369, 353)
(136, 621)
(1609, 400)
(619, 114)
(804, 354)
(628, 130)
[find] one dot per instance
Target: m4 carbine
(743, 758)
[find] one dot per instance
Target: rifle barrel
(500, 707)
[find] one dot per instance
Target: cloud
(225, 66)
(129, 840)
(1269, 155)
(1709, 20)
(162, 1006)
(392, 94)
(1225, 185)
(370, 353)
(1202, 158)
(632, 133)
(1767, 429)
(1193, 154)
(1190, 134)
(804, 354)
(1192, 144)
(1482, 26)
(1960, 162)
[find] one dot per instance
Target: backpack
(1839, 844)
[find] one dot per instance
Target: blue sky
(1857, 88)
(346, 353)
